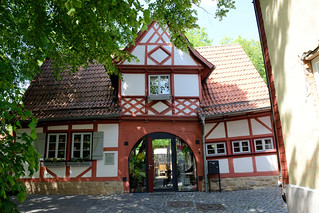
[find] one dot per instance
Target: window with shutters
(57, 146)
(81, 145)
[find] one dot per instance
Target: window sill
(159, 97)
(84, 163)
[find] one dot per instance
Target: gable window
(81, 145)
(216, 149)
(263, 144)
(57, 145)
(241, 146)
(159, 86)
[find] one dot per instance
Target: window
(216, 149)
(241, 146)
(263, 144)
(159, 85)
(81, 145)
(57, 146)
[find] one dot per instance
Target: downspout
(270, 97)
(204, 153)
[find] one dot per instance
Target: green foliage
(72, 33)
(160, 143)
(198, 37)
(253, 49)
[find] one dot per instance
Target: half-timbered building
(154, 128)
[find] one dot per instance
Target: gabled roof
(235, 85)
(85, 94)
(154, 47)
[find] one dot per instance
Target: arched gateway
(162, 162)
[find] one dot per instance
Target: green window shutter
(39, 143)
(97, 146)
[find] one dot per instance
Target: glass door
(162, 165)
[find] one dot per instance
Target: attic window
(159, 87)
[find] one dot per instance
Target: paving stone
(253, 200)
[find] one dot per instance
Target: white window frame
(159, 95)
(241, 146)
(81, 146)
(264, 144)
(57, 145)
(215, 150)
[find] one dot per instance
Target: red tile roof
(85, 94)
(234, 85)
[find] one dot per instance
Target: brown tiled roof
(234, 85)
(85, 94)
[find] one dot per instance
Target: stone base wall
(71, 188)
(240, 183)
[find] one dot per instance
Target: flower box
(54, 164)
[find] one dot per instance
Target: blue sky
(240, 21)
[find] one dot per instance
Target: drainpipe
(280, 184)
(204, 153)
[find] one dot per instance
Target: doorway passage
(162, 162)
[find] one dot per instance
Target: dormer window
(159, 87)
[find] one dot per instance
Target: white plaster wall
(27, 173)
(160, 106)
(186, 85)
(107, 170)
(237, 128)
(111, 134)
(147, 36)
(59, 171)
(28, 131)
(266, 163)
(219, 131)
(76, 170)
(243, 165)
(61, 127)
(257, 128)
(182, 58)
(223, 166)
(139, 52)
(133, 84)
(266, 120)
(83, 126)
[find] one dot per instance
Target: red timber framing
(230, 156)
(65, 169)
(133, 130)
(272, 91)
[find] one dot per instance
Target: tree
(253, 49)
(198, 37)
(72, 33)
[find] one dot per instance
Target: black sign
(213, 167)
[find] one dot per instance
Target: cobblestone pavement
(254, 200)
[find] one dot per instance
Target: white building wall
(133, 84)
(77, 170)
(107, 170)
(111, 134)
(223, 165)
(83, 126)
(182, 58)
(186, 85)
(242, 165)
(237, 128)
(258, 129)
(139, 52)
(266, 163)
(60, 127)
(218, 132)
